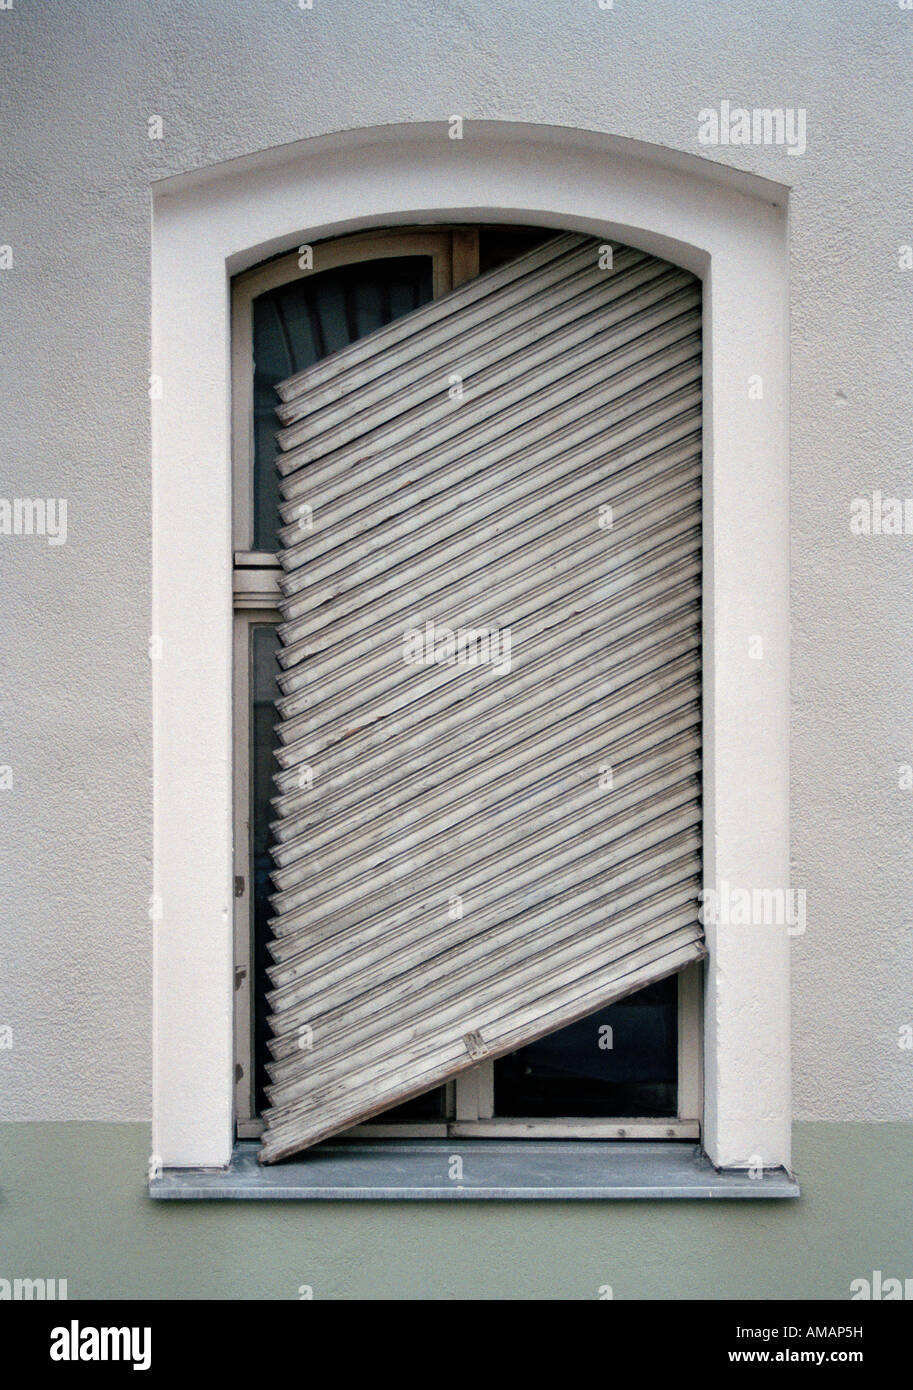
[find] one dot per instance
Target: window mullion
(474, 1093)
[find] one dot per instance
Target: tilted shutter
(469, 857)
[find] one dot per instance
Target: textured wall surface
(79, 83)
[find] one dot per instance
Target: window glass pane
(297, 324)
(619, 1062)
(264, 692)
(500, 244)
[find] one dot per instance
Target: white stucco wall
(79, 81)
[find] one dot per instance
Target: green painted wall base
(74, 1206)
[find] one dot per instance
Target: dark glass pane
(264, 692)
(619, 1062)
(430, 1106)
(295, 325)
(500, 244)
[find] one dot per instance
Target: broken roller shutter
(478, 843)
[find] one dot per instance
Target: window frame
(470, 1113)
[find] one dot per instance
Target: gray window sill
(417, 1170)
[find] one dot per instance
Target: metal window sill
(525, 1170)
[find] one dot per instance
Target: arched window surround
(729, 228)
